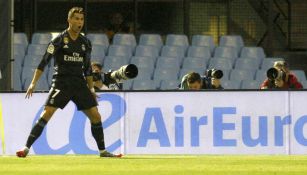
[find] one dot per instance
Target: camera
(214, 73)
(125, 72)
(274, 73)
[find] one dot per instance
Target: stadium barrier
(230, 122)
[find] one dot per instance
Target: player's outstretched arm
(37, 75)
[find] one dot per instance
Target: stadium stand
(220, 63)
(151, 40)
(173, 51)
(238, 75)
(169, 84)
(21, 38)
(99, 39)
(235, 41)
(120, 50)
(231, 84)
(226, 52)
(177, 40)
(143, 85)
(194, 63)
(199, 52)
(248, 64)
(250, 84)
(125, 39)
(41, 38)
(146, 51)
(204, 40)
(36, 49)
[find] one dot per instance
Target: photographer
(280, 77)
(112, 80)
(193, 80)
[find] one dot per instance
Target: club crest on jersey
(65, 40)
(83, 47)
(50, 48)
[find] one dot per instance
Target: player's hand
(30, 90)
(216, 82)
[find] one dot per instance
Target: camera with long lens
(214, 73)
(125, 72)
(274, 74)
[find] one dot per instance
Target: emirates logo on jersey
(75, 58)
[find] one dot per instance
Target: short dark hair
(193, 77)
(74, 10)
(97, 65)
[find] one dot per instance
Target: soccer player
(72, 80)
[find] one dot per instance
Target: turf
(154, 165)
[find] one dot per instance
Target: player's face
(76, 22)
(194, 86)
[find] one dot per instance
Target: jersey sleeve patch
(50, 48)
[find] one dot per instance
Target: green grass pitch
(154, 165)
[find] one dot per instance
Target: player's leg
(37, 130)
(57, 99)
(97, 131)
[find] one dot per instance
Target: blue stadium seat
(168, 62)
(20, 49)
(18, 61)
(36, 49)
(98, 50)
(238, 75)
(114, 62)
(144, 74)
(165, 74)
(151, 40)
(21, 38)
(252, 52)
(27, 73)
(41, 38)
(99, 39)
(235, 41)
(17, 85)
(146, 51)
(250, 84)
(231, 84)
(261, 75)
(169, 84)
(97, 58)
(125, 39)
(221, 63)
(225, 52)
(200, 52)
(120, 50)
(204, 41)
(173, 51)
(177, 40)
(247, 63)
(127, 84)
(32, 60)
(143, 85)
(269, 62)
(143, 62)
(300, 74)
(194, 63)
(226, 74)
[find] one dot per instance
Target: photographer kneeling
(112, 80)
(280, 77)
(193, 80)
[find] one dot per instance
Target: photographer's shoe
(23, 152)
(105, 153)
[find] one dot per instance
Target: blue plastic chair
(32, 60)
(165, 74)
(151, 40)
(21, 38)
(146, 51)
(226, 52)
(177, 40)
(248, 64)
(120, 50)
(114, 62)
(19, 49)
(238, 75)
(143, 85)
(36, 49)
(250, 84)
(143, 62)
(204, 41)
(168, 62)
(169, 84)
(253, 52)
(269, 62)
(124, 39)
(235, 41)
(41, 38)
(98, 50)
(220, 63)
(173, 51)
(231, 84)
(194, 62)
(200, 52)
